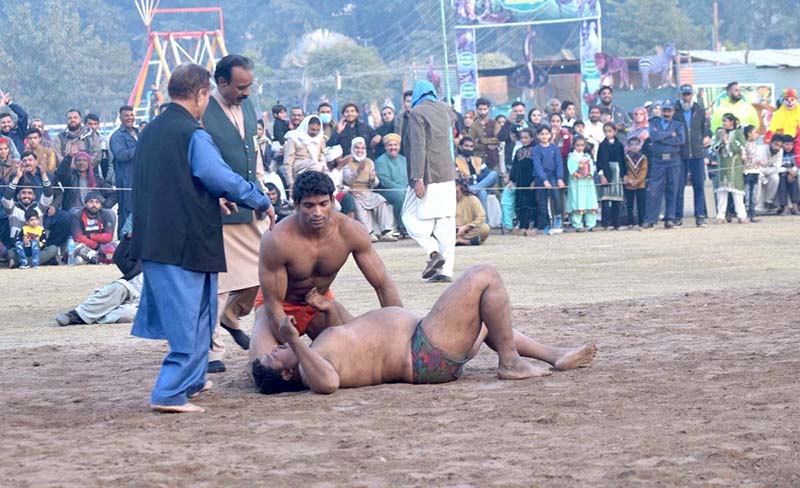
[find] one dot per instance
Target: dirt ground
(695, 382)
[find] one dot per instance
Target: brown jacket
(430, 143)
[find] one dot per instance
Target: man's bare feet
(185, 408)
(207, 386)
(576, 358)
(318, 301)
(521, 370)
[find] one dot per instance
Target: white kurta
(431, 221)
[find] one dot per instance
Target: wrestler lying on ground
(393, 345)
(300, 259)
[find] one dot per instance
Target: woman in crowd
(729, 143)
(522, 178)
(535, 122)
(371, 209)
(303, 149)
(78, 177)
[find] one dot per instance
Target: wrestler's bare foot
(521, 369)
(185, 408)
(576, 358)
(318, 301)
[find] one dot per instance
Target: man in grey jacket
(698, 136)
(430, 205)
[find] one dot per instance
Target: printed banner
(590, 75)
(493, 13)
(467, 68)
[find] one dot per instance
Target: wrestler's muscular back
(313, 261)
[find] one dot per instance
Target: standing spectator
(92, 228)
(641, 125)
(73, 138)
(581, 192)
(26, 199)
(78, 177)
(667, 136)
(786, 119)
(471, 226)
(280, 126)
(387, 127)
(296, 117)
(509, 134)
(611, 169)
(735, 104)
(179, 179)
(123, 147)
(635, 182)
(392, 171)
(94, 139)
(44, 154)
(729, 144)
(751, 169)
(562, 138)
(304, 150)
(593, 131)
(619, 117)
(371, 209)
(535, 121)
(282, 208)
(484, 131)
(553, 107)
(692, 155)
(568, 111)
(521, 179)
(474, 170)
(402, 123)
(348, 128)
(430, 205)
(38, 124)
(230, 120)
(788, 193)
(548, 172)
(31, 239)
(6, 161)
(15, 131)
(469, 119)
(325, 111)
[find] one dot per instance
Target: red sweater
(93, 232)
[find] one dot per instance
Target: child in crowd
(611, 170)
(635, 181)
(30, 238)
(548, 172)
(522, 178)
(751, 169)
(581, 192)
(788, 194)
(579, 127)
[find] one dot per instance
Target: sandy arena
(695, 382)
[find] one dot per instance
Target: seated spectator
(283, 209)
(18, 198)
(378, 143)
(471, 226)
(769, 158)
(116, 302)
(392, 171)
(475, 170)
(788, 190)
(6, 161)
(336, 163)
(13, 129)
(46, 140)
(304, 150)
(79, 177)
(92, 228)
(45, 154)
(30, 240)
(359, 174)
(349, 128)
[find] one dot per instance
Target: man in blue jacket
(667, 136)
(123, 147)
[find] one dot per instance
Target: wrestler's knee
(483, 272)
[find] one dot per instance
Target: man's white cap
(332, 153)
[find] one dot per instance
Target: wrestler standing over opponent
(300, 259)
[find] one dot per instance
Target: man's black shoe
(215, 367)
(239, 336)
(435, 262)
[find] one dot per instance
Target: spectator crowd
(66, 197)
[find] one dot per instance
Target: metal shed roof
(759, 57)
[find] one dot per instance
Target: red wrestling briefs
(303, 314)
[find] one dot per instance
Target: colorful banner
(467, 68)
(493, 13)
(590, 75)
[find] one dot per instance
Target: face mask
(467, 153)
(325, 118)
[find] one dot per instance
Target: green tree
(364, 75)
(54, 63)
(637, 27)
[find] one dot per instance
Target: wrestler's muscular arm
(274, 280)
(372, 267)
(317, 372)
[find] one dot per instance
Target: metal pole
(444, 46)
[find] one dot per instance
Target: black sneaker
(701, 223)
(239, 336)
(215, 367)
(668, 224)
(435, 262)
(69, 318)
(678, 223)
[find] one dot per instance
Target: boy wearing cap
(698, 135)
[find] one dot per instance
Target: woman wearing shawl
(371, 208)
(78, 177)
(729, 143)
(304, 149)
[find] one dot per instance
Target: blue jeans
(23, 258)
(750, 185)
(697, 167)
(662, 180)
(480, 188)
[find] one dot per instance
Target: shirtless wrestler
(300, 259)
(393, 345)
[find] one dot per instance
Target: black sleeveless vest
(175, 220)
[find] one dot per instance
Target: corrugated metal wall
(708, 73)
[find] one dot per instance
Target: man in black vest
(177, 233)
(230, 119)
